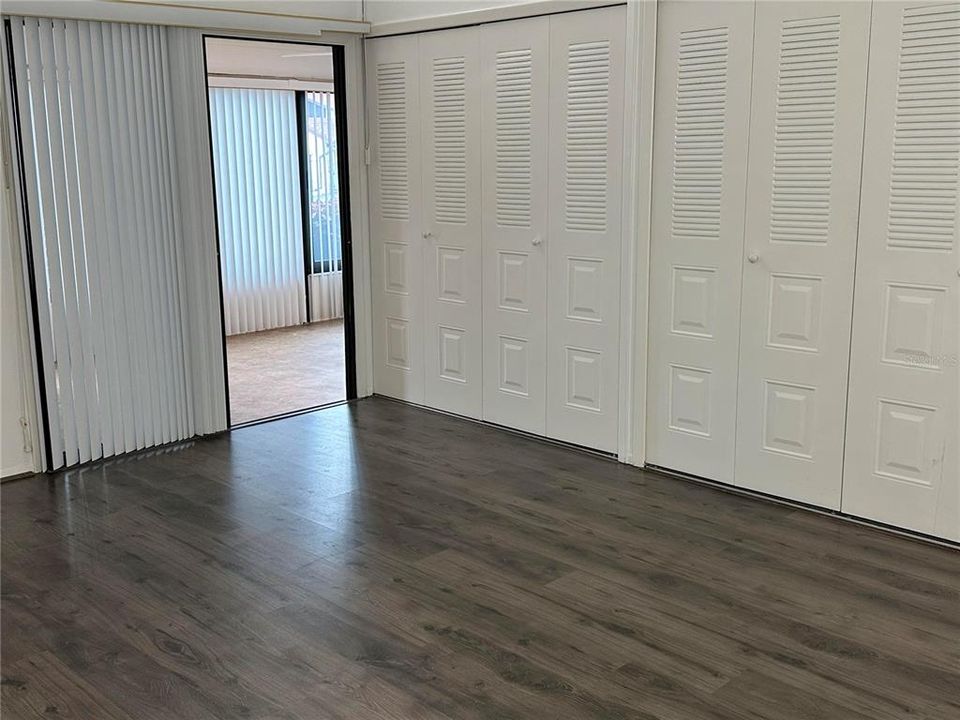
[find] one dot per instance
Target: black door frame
(346, 228)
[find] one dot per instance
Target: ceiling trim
(489, 15)
(197, 16)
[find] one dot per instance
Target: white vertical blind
(200, 282)
(326, 296)
(96, 116)
(258, 205)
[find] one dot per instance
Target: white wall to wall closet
(760, 219)
(496, 214)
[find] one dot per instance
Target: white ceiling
(388, 11)
(340, 9)
(257, 59)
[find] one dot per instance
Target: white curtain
(257, 175)
(120, 221)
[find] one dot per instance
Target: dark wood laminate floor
(379, 561)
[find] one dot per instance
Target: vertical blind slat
(134, 230)
(245, 220)
(98, 320)
(76, 293)
(54, 217)
(157, 212)
(146, 241)
(125, 247)
(125, 420)
(270, 263)
(175, 288)
(168, 279)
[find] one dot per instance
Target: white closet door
(702, 104)
(393, 96)
(515, 61)
(449, 120)
(583, 246)
(806, 140)
(902, 431)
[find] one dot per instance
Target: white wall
(288, 17)
(16, 387)
(255, 59)
(330, 9)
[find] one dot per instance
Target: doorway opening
(278, 139)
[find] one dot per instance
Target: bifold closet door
(584, 244)
(702, 105)
(902, 428)
(393, 96)
(514, 57)
(449, 120)
(803, 188)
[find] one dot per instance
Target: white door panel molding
(902, 430)
(803, 190)
(701, 109)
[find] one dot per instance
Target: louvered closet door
(393, 96)
(583, 245)
(806, 135)
(450, 139)
(902, 432)
(702, 102)
(514, 58)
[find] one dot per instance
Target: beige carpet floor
(279, 371)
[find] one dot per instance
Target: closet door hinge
(366, 155)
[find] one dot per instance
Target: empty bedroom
(480, 360)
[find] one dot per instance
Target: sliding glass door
(322, 198)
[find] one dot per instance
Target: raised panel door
(901, 463)
(449, 122)
(701, 106)
(806, 139)
(514, 58)
(393, 90)
(583, 245)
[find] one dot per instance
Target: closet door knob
(753, 258)
(537, 240)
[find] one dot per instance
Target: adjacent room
(480, 359)
(274, 139)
